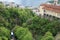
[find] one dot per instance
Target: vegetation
(26, 25)
(22, 33)
(48, 36)
(4, 33)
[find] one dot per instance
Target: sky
(27, 2)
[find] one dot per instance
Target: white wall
(41, 10)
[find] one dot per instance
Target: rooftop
(50, 7)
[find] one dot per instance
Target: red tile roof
(50, 7)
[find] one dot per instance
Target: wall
(49, 12)
(41, 10)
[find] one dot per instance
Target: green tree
(22, 33)
(3, 38)
(18, 16)
(25, 14)
(53, 27)
(36, 25)
(48, 36)
(4, 32)
(9, 17)
(0, 38)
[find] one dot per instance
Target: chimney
(55, 2)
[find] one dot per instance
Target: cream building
(57, 37)
(48, 9)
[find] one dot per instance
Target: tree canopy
(48, 36)
(22, 33)
(26, 25)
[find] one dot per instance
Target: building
(36, 11)
(12, 4)
(9, 4)
(57, 37)
(49, 10)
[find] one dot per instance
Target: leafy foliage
(23, 33)
(9, 17)
(48, 36)
(4, 33)
(29, 26)
(39, 26)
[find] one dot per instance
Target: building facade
(50, 10)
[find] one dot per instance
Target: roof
(50, 7)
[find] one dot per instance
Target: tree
(22, 33)
(53, 27)
(18, 16)
(4, 32)
(25, 14)
(3, 38)
(9, 17)
(36, 25)
(48, 36)
(0, 38)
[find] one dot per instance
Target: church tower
(55, 2)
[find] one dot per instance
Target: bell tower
(55, 2)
